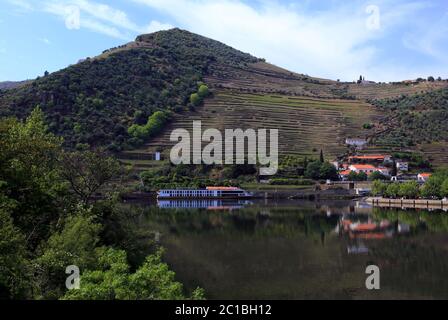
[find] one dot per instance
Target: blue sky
(384, 40)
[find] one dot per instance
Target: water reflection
(301, 250)
(209, 204)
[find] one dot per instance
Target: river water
(301, 250)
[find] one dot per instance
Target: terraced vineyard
(436, 152)
(306, 125)
(385, 91)
(263, 77)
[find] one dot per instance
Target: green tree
(409, 190)
(195, 99)
(393, 190)
(377, 176)
(203, 91)
(378, 188)
(74, 245)
(153, 126)
(88, 172)
(30, 171)
(432, 188)
(444, 188)
(14, 265)
(353, 176)
(321, 156)
(328, 171)
(113, 280)
(312, 170)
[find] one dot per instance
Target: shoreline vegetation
(51, 218)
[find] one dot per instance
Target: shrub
(153, 126)
(195, 99)
(203, 91)
(393, 190)
(409, 190)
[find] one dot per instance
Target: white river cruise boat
(207, 193)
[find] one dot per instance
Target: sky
(383, 40)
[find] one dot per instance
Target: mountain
(5, 85)
(97, 101)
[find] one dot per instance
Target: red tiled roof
(363, 166)
(425, 174)
(370, 157)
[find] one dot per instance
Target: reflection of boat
(207, 193)
(208, 204)
(357, 249)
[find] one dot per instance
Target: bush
(320, 170)
(153, 126)
(377, 176)
(195, 99)
(295, 182)
(393, 190)
(409, 190)
(353, 176)
(203, 91)
(378, 188)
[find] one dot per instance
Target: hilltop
(96, 101)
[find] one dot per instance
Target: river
(289, 249)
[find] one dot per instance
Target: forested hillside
(93, 103)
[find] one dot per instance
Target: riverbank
(271, 193)
(407, 203)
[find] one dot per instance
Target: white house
(366, 168)
(356, 142)
(402, 166)
(423, 177)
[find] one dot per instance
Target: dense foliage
(50, 218)
(94, 102)
(321, 170)
(415, 119)
(435, 188)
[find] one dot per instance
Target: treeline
(51, 217)
(435, 188)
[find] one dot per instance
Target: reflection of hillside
(434, 221)
(252, 222)
(282, 251)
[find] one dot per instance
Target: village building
(370, 158)
(423, 177)
(368, 169)
(402, 166)
(356, 142)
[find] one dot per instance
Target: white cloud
(332, 43)
(22, 4)
(44, 40)
(100, 18)
(429, 39)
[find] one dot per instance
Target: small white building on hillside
(402, 166)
